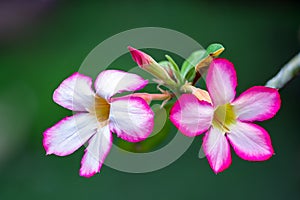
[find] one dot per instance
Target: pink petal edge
(107, 93)
(227, 162)
(56, 95)
(89, 175)
(245, 155)
(271, 109)
(143, 105)
(221, 88)
(177, 108)
(46, 137)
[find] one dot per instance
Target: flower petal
(202, 95)
(111, 82)
(250, 141)
(221, 81)
(96, 152)
(69, 134)
(217, 150)
(131, 118)
(191, 116)
(75, 93)
(257, 104)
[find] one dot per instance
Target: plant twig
(287, 73)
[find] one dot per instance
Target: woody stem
(287, 73)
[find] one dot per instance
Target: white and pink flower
(227, 120)
(97, 115)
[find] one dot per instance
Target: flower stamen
(224, 116)
(102, 109)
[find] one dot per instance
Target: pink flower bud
(142, 59)
(148, 64)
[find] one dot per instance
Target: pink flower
(98, 114)
(228, 120)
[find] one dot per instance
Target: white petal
(69, 134)
(131, 118)
(258, 103)
(217, 150)
(250, 141)
(96, 152)
(221, 81)
(191, 116)
(75, 93)
(111, 82)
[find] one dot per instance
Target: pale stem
(287, 72)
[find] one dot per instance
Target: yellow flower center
(102, 109)
(224, 116)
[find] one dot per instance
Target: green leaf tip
(215, 49)
(170, 59)
(188, 67)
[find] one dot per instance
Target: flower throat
(224, 116)
(102, 109)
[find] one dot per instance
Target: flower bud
(148, 64)
(142, 59)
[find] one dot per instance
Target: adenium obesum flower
(97, 115)
(227, 120)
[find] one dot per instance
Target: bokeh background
(44, 41)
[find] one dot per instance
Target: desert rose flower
(227, 120)
(97, 115)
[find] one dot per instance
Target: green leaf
(190, 75)
(170, 59)
(215, 49)
(188, 67)
(169, 66)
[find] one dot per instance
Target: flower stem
(287, 73)
(150, 97)
(160, 97)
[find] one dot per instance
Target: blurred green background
(43, 42)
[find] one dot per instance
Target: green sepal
(164, 64)
(170, 59)
(215, 49)
(172, 67)
(188, 68)
(212, 51)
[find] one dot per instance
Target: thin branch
(287, 73)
